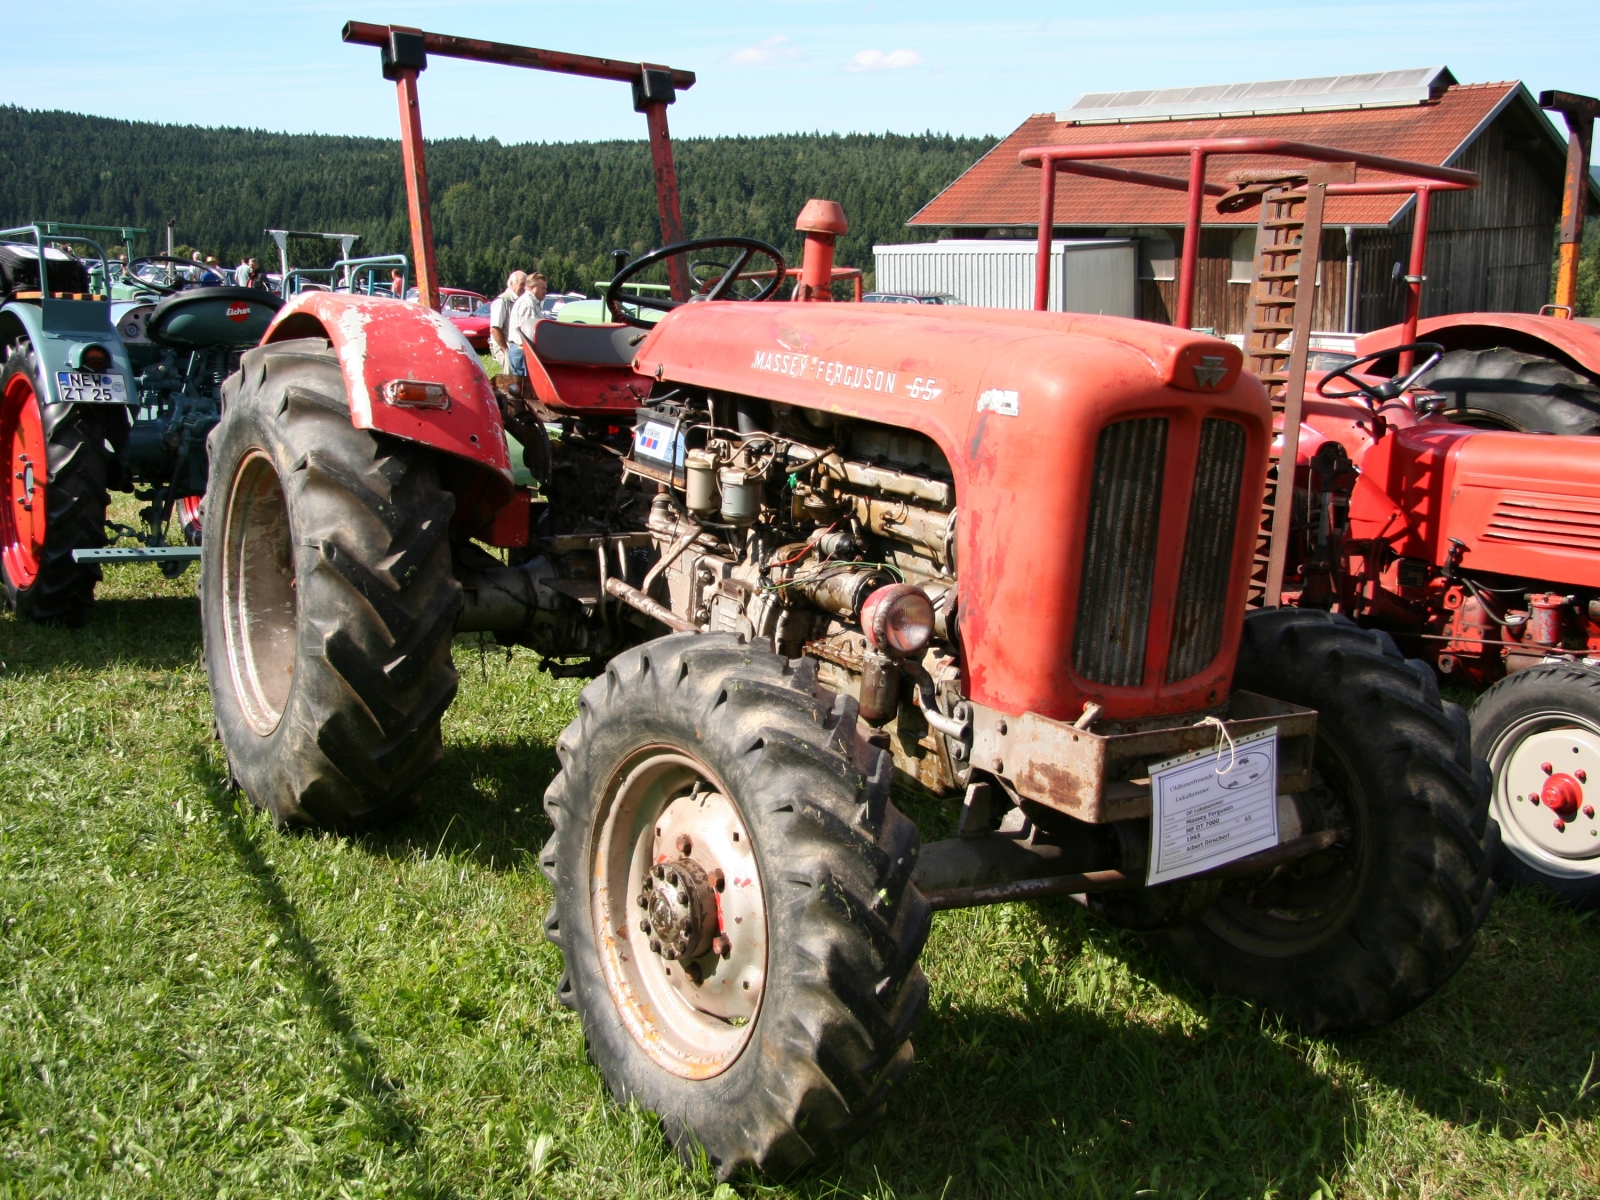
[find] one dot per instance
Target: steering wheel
(1389, 389)
(723, 286)
(176, 281)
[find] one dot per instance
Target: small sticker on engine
(996, 401)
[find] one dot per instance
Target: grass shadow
(1064, 1092)
(159, 633)
(484, 803)
(318, 991)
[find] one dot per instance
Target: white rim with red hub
(1546, 769)
(22, 523)
(680, 913)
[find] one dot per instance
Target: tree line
(561, 208)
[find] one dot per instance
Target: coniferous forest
(560, 208)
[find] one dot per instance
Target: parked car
(909, 298)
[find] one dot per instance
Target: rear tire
(55, 467)
(770, 1055)
(1513, 390)
(1532, 717)
(1358, 935)
(328, 602)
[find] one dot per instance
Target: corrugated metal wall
(1094, 275)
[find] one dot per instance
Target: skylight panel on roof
(1329, 93)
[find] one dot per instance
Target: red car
(468, 312)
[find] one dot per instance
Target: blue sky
(775, 66)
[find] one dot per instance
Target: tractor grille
(1119, 557)
(1207, 549)
(1534, 520)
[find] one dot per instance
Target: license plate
(87, 387)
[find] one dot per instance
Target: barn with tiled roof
(1488, 250)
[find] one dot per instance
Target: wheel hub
(683, 913)
(680, 902)
(1541, 792)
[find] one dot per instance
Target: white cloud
(877, 60)
(774, 49)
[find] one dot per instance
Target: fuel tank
(1108, 475)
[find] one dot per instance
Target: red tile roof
(997, 190)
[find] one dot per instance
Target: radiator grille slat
(1119, 556)
(1207, 549)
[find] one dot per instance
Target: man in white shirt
(528, 309)
(500, 348)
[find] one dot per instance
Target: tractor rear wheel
(1539, 730)
(327, 598)
(53, 498)
(1358, 935)
(733, 899)
(1513, 390)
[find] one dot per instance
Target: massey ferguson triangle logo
(1208, 372)
(240, 311)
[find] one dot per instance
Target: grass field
(193, 1005)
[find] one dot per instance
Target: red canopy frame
(1418, 179)
(405, 56)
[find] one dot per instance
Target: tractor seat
(586, 345)
(223, 318)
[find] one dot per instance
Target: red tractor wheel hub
(22, 514)
(1562, 795)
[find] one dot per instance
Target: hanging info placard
(1209, 808)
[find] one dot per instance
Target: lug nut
(721, 946)
(644, 901)
(685, 844)
(693, 971)
(683, 896)
(1560, 825)
(655, 946)
(672, 878)
(669, 953)
(1588, 811)
(718, 879)
(1546, 768)
(1581, 775)
(644, 926)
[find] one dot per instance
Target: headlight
(898, 620)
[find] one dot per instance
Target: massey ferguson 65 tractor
(1474, 547)
(807, 550)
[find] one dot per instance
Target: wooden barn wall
(1221, 305)
(1489, 250)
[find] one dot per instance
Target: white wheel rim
(1560, 838)
(258, 593)
(695, 1029)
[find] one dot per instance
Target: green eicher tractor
(102, 394)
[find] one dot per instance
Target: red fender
(1577, 343)
(379, 340)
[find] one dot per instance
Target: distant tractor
(97, 396)
(806, 549)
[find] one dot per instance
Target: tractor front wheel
(1354, 937)
(733, 899)
(1539, 730)
(327, 598)
(53, 498)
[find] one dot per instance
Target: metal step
(122, 554)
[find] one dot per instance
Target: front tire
(1546, 715)
(328, 602)
(1358, 935)
(53, 497)
(697, 759)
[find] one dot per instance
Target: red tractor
(806, 550)
(1419, 506)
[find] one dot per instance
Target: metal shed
(1089, 275)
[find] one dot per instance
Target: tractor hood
(1017, 402)
(1519, 504)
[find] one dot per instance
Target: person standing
(528, 309)
(241, 273)
(500, 348)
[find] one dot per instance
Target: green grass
(192, 1004)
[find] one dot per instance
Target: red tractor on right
(1429, 498)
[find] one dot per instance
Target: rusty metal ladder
(1277, 342)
